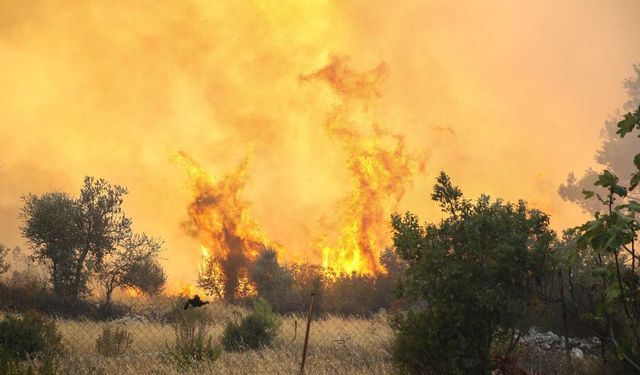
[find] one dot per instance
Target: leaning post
(306, 335)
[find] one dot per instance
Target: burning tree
(219, 220)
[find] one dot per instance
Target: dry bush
(193, 344)
(337, 345)
(114, 341)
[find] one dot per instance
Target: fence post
(306, 335)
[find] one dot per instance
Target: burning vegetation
(380, 169)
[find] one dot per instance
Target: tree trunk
(77, 277)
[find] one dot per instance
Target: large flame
(376, 158)
(381, 170)
(219, 220)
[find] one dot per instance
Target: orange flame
(376, 158)
(380, 168)
(132, 292)
(220, 221)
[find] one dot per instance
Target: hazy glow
(507, 97)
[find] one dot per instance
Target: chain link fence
(336, 344)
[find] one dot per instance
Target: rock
(577, 353)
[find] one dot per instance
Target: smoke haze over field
(506, 97)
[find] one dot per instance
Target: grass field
(337, 345)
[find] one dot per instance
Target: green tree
(469, 281)
(273, 281)
(73, 235)
(146, 275)
(133, 264)
(52, 228)
(612, 237)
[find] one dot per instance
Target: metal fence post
(306, 335)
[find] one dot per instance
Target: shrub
(113, 341)
(29, 335)
(254, 331)
(10, 365)
(192, 342)
(470, 279)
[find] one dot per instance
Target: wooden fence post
(306, 335)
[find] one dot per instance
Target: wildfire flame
(381, 170)
(219, 220)
(132, 292)
(376, 158)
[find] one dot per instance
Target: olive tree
(133, 264)
(89, 236)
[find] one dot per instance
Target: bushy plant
(469, 279)
(273, 281)
(192, 342)
(113, 341)
(10, 365)
(611, 240)
(254, 331)
(29, 335)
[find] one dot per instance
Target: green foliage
(73, 235)
(133, 263)
(469, 279)
(10, 365)
(254, 331)
(273, 281)
(357, 294)
(28, 336)
(90, 236)
(611, 239)
(53, 229)
(192, 344)
(113, 341)
(147, 275)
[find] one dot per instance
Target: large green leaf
(635, 179)
(606, 179)
(627, 124)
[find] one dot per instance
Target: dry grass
(336, 346)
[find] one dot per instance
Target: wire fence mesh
(337, 344)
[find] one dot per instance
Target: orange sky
(507, 97)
